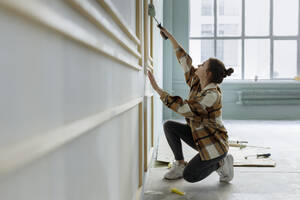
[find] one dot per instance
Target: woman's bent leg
(175, 131)
(197, 170)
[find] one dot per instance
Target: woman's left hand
(153, 82)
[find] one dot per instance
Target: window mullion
(215, 28)
(243, 40)
(271, 41)
(298, 42)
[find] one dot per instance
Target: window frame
(243, 37)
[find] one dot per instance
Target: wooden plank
(111, 9)
(139, 193)
(37, 12)
(240, 161)
(151, 60)
(149, 66)
(145, 136)
(151, 36)
(140, 144)
(152, 121)
(165, 155)
(139, 18)
(87, 9)
(15, 156)
(146, 35)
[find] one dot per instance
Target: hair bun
(229, 71)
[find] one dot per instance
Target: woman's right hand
(162, 29)
(170, 36)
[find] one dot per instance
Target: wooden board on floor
(165, 154)
(240, 161)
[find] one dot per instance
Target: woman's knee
(189, 177)
(167, 125)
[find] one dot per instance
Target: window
(207, 7)
(258, 38)
(229, 51)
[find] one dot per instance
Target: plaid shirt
(202, 111)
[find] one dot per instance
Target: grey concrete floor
(249, 183)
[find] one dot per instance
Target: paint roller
(151, 12)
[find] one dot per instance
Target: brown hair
(219, 72)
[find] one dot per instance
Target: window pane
(286, 17)
(207, 30)
(195, 49)
(206, 7)
(229, 17)
(201, 50)
(257, 18)
(229, 51)
(201, 18)
(285, 59)
(257, 58)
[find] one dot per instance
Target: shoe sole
(169, 179)
(180, 177)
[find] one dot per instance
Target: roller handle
(162, 33)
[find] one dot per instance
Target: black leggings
(196, 169)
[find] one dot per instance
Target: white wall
(49, 80)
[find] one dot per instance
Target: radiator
(269, 97)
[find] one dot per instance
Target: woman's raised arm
(183, 58)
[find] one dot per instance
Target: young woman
(204, 130)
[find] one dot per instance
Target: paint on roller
(151, 12)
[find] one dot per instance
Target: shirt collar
(211, 85)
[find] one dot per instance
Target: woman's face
(202, 71)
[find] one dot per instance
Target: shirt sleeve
(189, 108)
(186, 63)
